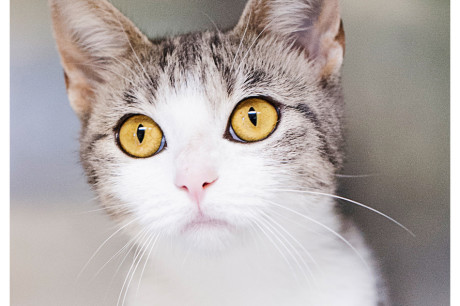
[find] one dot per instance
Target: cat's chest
(267, 293)
(256, 281)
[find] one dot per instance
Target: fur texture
(272, 235)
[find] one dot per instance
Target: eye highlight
(140, 136)
(253, 119)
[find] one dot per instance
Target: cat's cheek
(145, 186)
(147, 189)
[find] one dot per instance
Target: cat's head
(199, 136)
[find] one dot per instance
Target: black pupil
(140, 133)
(252, 114)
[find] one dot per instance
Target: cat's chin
(205, 234)
(204, 223)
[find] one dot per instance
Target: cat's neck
(258, 273)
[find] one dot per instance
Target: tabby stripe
(129, 98)
(256, 78)
(94, 139)
(325, 149)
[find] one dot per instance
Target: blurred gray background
(396, 78)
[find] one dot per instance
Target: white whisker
(146, 261)
(278, 237)
(131, 241)
(186, 255)
(139, 237)
(125, 206)
(139, 260)
(102, 245)
(355, 175)
(350, 201)
(93, 65)
(131, 46)
(295, 241)
(134, 265)
(241, 42)
(256, 222)
(256, 240)
(212, 21)
(252, 44)
(328, 229)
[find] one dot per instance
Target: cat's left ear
(313, 25)
(91, 35)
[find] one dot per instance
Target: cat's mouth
(204, 222)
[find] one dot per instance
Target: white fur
(276, 247)
(237, 265)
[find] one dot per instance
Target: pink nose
(195, 181)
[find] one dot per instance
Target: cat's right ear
(313, 26)
(90, 35)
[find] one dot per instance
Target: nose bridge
(197, 150)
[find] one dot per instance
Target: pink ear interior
(314, 26)
(90, 35)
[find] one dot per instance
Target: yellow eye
(140, 136)
(253, 119)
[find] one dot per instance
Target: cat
(218, 152)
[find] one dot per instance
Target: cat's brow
(256, 78)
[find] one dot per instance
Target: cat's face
(228, 121)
